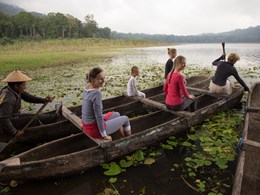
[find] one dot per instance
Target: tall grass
(32, 54)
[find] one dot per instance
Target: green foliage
(126, 163)
(211, 146)
(139, 155)
(217, 138)
(112, 179)
(112, 169)
(6, 41)
(6, 189)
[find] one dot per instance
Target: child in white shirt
(131, 85)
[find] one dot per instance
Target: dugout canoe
(76, 153)
(45, 133)
(247, 176)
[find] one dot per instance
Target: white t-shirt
(132, 89)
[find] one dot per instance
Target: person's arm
(165, 87)
(238, 78)
(97, 106)
(31, 99)
(216, 62)
(183, 88)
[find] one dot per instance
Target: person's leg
(228, 87)
(193, 105)
(114, 115)
(186, 105)
(121, 130)
(212, 87)
(114, 124)
(174, 108)
(141, 94)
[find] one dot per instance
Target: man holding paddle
(11, 120)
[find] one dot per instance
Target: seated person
(131, 85)
(220, 82)
(11, 119)
(174, 88)
(95, 124)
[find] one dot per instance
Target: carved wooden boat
(45, 133)
(77, 153)
(247, 177)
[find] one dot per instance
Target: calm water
(198, 55)
(157, 178)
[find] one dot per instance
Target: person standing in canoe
(220, 82)
(174, 88)
(95, 124)
(131, 85)
(11, 119)
(169, 64)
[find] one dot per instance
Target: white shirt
(132, 89)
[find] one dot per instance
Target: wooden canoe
(63, 128)
(247, 177)
(76, 153)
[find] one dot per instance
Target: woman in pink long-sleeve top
(175, 89)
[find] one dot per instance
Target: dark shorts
(185, 105)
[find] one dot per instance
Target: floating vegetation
(209, 150)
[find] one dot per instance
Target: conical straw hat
(16, 76)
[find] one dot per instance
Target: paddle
(224, 52)
(5, 145)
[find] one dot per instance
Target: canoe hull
(247, 176)
(78, 161)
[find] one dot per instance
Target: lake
(154, 179)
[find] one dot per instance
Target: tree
(91, 27)
(6, 26)
(104, 32)
(74, 26)
(24, 22)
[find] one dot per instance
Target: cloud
(184, 17)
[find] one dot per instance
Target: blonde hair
(171, 50)
(233, 58)
(179, 60)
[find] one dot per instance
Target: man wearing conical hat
(11, 120)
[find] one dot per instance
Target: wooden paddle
(5, 145)
(224, 52)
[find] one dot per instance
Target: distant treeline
(249, 35)
(54, 25)
(32, 25)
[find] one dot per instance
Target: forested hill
(15, 22)
(249, 35)
(10, 9)
(13, 10)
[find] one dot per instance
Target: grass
(34, 54)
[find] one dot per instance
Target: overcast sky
(178, 17)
